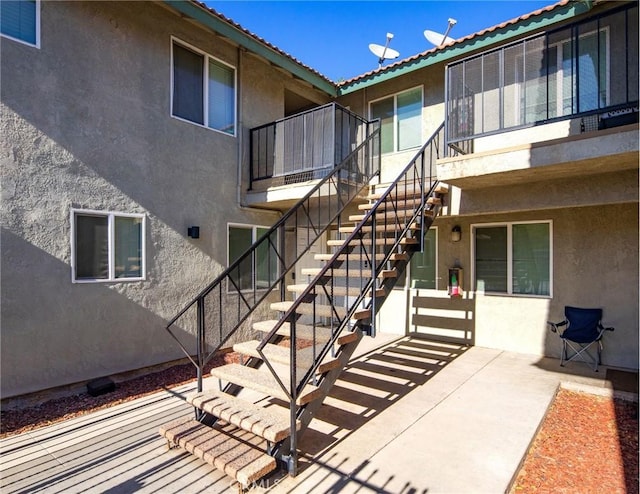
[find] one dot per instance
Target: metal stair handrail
(290, 315)
(347, 178)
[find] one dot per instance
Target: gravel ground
(19, 420)
(586, 444)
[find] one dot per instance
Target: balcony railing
(586, 68)
(305, 146)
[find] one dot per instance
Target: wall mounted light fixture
(193, 231)
(456, 233)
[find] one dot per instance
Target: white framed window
(400, 120)
(257, 270)
(20, 21)
(107, 246)
(513, 258)
(203, 89)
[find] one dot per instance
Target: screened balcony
(586, 71)
(305, 146)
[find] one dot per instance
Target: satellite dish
(438, 39)
(384, 52)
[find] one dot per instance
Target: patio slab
(407, 415)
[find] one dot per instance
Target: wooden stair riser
(303, 331)
(390, 229)
(319, 310)
(335, 291)
(389, 214)
(282, 355)
(352, 273)
(361, 258)
(384, 241)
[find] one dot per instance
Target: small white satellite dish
(440, 39)
(384, 52)
(436, 38)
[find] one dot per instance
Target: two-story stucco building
(125, 124)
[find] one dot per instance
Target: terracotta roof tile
(258, 38)
(393, 65)
(460, 40)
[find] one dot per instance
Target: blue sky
(332, 37)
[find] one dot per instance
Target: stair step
(390, 214)
(272, 423)
(401, 192)
(379, 228)
(356, 273)
(320, 310)
(396, 256)
(395, 205)
(263, 382)
(338, 291)
(236, 458)
(407, 188)
(282, 355)
(303, 331)
(401, 204)
(378, 241)
(442, 189)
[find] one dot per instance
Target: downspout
(240, 149)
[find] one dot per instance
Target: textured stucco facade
(584, 184)
(86, 124)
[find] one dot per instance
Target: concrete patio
(407, 416)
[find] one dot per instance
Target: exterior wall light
(456, 233)
(193, 231)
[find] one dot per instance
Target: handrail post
(293, 393)
(200, 339)
(373, 275)
(283, 266)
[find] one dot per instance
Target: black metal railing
(220, 309)
(305, 146)
(353, 283)
(585, 68)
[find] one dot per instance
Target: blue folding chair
(583, 329)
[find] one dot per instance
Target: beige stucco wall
(85, 123)
(595, 264)
(592, 202)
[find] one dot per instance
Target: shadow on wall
(446, 319)
(51, 345)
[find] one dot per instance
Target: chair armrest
(553, 326)
(602, 328)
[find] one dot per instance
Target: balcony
(290, 155)
(558, 104)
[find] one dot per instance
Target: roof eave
(465, 47)
(205, 18)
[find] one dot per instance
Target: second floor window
(400, 119)
(20, 20)
(204, 90)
